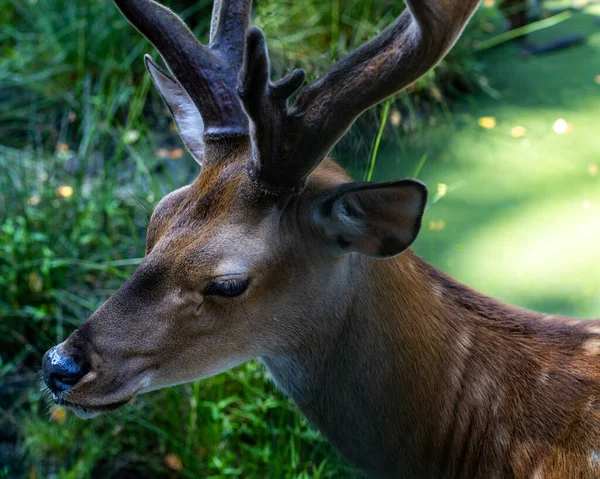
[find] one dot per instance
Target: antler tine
(228, 29)
(216, 13)
(209, 75)
(298, 138)
(271, 163)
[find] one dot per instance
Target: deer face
(230, 274)
(190, 309)
(257, 251)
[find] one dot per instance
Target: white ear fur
(182, 108)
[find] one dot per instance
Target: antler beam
(208, 74)
(288, 143)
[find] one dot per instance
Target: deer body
(440, 381)
(273, 252)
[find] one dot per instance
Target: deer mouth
(85, 411)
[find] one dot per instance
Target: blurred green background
(507, 141)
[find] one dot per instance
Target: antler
(288, 143)
(208, 74)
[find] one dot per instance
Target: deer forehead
(216, 195)
(223, 194)
(213, 249)
(219, 225)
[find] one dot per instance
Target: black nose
(61, 372)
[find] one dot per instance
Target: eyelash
(227, 288)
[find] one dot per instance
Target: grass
(234, 425)
(519, 216)
(77, 110)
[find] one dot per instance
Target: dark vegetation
(86, 151)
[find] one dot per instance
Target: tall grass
(83, 138)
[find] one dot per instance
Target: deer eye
(227, 288)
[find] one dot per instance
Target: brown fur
(406, 371)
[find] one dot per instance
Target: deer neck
(418, 367)
(371, 374)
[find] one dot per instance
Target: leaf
(175, 153)
(487, 122)
(58, 414)
(561, 126)
(518, 132)
(173, 462)
(65, 191)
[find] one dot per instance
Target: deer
(275, 253)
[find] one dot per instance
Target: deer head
(261, 249)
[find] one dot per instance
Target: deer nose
(61, 372)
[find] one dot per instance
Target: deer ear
(374, 219)
(182, 108)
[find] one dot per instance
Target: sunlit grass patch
(523, 225)
(545, 252)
